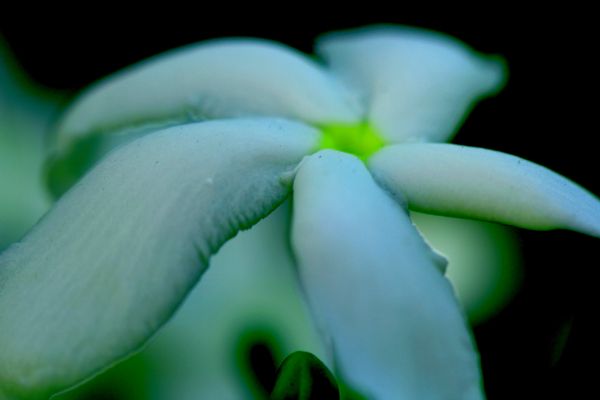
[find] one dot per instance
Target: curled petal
(484, 184)
(111, 262)
(418, 84)
(216, 79)
(220, 78)
(376, 288)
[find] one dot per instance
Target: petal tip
(495, 74)
(587, 219)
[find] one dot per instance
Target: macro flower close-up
(159, 165)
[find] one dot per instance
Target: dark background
(543, 115)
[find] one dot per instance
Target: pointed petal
(109, 264)
(418, 84)
(484, 184)
(375, 288)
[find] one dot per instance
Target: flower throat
(360, 139)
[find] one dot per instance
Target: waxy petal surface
(484, 184)
(376, 288)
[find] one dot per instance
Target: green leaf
(468, 182)
(302, 376)
(114, 258)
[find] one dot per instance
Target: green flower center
(361, 139)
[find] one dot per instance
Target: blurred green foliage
(484, 262)
(26, 112)
(302, 376)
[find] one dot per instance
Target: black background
(543, 115)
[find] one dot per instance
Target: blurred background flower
(227, 339)
(25, 114)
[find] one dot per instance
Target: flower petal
(376, 288)
(418, 84)
(484, 184)
(250, 295)
(220, 78)
(215, 79)
(110, 263)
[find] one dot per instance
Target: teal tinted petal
(215, 79)
(484, 184)
(220, 78)
(417, 85)
(109, 264)
(376, 289)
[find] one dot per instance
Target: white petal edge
(375, 289)
(483, 184)
(110, 263)
(418, 85)
(213, 79)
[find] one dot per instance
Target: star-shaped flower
(351, 143)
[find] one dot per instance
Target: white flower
(115, 257)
